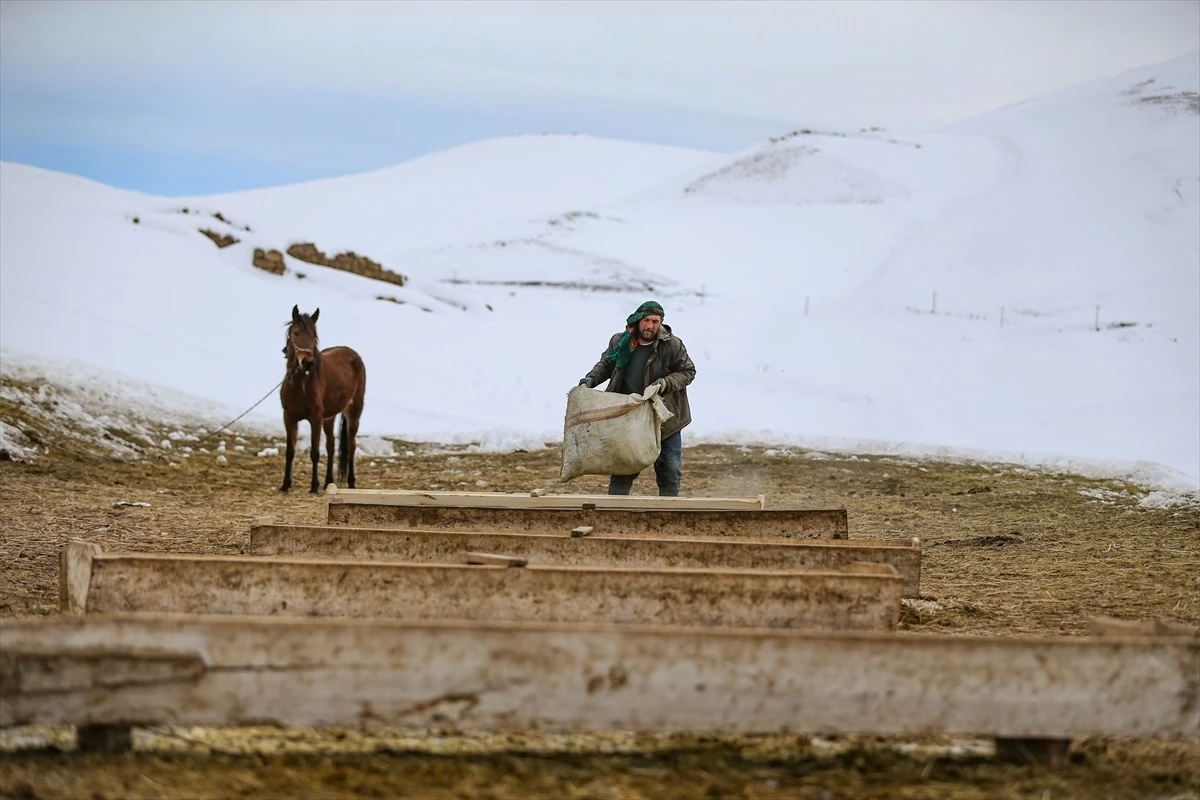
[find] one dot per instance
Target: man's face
(648, 327)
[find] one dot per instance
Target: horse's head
(302, 342)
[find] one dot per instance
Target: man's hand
(661, 383)
(588, 382)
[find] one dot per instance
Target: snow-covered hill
(801, 274)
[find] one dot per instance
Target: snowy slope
(444, 196)
(1101, 192)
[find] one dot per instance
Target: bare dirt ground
(1007, 552)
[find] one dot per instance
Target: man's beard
(645, 336)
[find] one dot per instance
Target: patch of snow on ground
(1106, 496)
(375, 446)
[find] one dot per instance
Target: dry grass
(641, 767)
(1007, 552)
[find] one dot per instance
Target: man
(647, 353)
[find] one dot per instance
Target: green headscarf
(621, 352)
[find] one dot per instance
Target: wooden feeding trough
(626, 520)
(106, 673)
(865, 597)
(592, 550)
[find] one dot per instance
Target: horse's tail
(344, 451)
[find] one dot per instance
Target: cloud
(318, 87)
(775, 60)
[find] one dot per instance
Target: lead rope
(248, 410)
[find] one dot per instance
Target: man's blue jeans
(666, 469)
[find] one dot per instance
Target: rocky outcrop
(347, 262)
(270, 261)
(220, 240)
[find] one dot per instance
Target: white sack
(607, 433)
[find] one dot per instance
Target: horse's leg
(329, 449)
(351, 416)
(289, 424)
(351, 422)
(343, 451)
(314, 423)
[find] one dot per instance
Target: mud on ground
(1008, 551)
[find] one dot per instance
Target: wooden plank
(46, 671)
(333, 541)
(494, 559)
(319, 588)
(74, 572)
(1111, 626)
(768, 523)
(399, 497)
(585, 677)
(867, 568)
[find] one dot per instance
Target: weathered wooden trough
(330, 541)
(866, 597)
(627, 520)
(406, 497)
(105, 673)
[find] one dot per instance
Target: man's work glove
(661, 383)
(588, 382)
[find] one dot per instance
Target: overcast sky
(195, 97)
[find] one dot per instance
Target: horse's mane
(305, 322)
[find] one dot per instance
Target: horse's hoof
(284, 489)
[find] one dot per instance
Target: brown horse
(319, 385)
